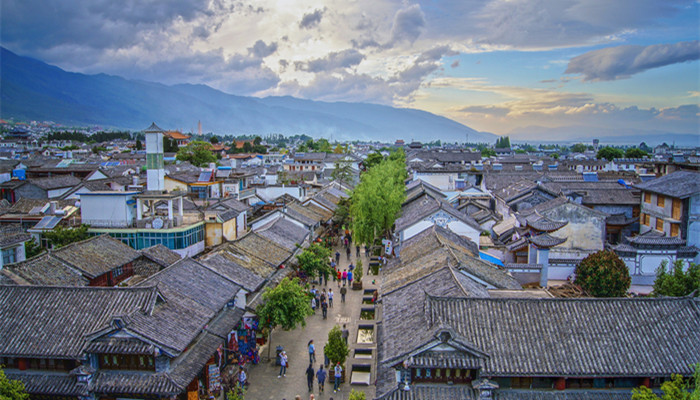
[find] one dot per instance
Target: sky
(510, 67)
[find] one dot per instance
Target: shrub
(603, 274)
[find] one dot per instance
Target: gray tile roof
(431, 392)
(161, 255)
(44, 269)
(569, 394)
(426, 205)
(576, 337)
(226, 265)
(545, 240)
(12, 234)
(653, 238)
(284, 232)
(48, 383)
(51, 322)
(119, 382)
(56, 182)
(679, 184)
(97, 255)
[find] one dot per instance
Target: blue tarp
(490, 258)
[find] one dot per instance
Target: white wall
(52, 194)
(441, 181)
(273, 192)
(107, 210)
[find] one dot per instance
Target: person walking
(312, 351)
(242, 378)
(324, 308)
(345, 277)
(349, 277)
(338, 370)
(283, 363)
(323, 296)
(347, 252)
(337, 257)
(357, 251)
(320, 278)
(340, 276)
(330, 297)
(325, 277)
(343, 290)
(313, 304)
(321, 375)
(345, 333)
(310, 376)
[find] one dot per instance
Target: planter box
(356, 285)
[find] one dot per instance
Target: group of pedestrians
(322, 300)
(321, 376)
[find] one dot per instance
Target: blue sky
(525, 68)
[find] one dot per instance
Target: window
(659, 224)
(675, 229)
(645, 219)
(660, 201)
(647, 197)
(9, 256)
(126, 361)
(676, 209)
(118, 271)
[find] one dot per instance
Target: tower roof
(153, 129)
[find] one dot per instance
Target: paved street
(264, 384)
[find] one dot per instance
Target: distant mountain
(607, 136)
(33, 90)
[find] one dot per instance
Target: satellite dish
(157, 223)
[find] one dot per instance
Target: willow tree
(377, 199)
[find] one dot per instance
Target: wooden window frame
(660, 201)
(659, 221)
(647, 197)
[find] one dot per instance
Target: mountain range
(33, 90)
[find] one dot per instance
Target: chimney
(53, 205)
(135, 180)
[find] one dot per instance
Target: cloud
(311, 20)
(455, 64)
(408, 25)
(624, 61)
(335, 60)
(262, 50)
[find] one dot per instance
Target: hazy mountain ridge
(33, 90)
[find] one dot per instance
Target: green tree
(32, 248)
(214, 139)
(170, 145)
(197, 152)
(139, 145)
(603, 274)
(62, 236)
(503, 142)
(342, 170)
(236, 394)
(609, 153)
(342, 212)
(11, 389)
(634, 152)
(338, 149)
(376, 200)
(336, 349)
(287, 305)
(677, 283)
(372, 160)
(314, 260)
(675, 389)
(247, 147)
(579, 148)
(486, 152)
(323, 146)
(356, 395)
(257, 141)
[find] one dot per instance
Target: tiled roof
(544, 224)
(426, 205)
(161, 255)
(576, 337)
(97, 255)
(652, 238)
(226, 265)
(12, 234)
(284, 232)
(119, 382)
(569, 394)
(431, 392)
(679, 184)
(545, 240)
(44, 269)
(48, 383)
(56, 182)
(51, 322)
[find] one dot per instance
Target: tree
(238, 393)
(139, 145)
(356, 395)
(634, 152)
(336, 349)
(579, 148)
(338, 149)
(603, 274)
(247, 147)
(11, 389)
(372, 160)
(257, 141)
(323, 146)
(677, 283)
(486, 152)
(376, 200)
(503, 142)
(314, 260)
(61, 236)
(609, 153)
(32, 248)
(197, 153)
(287, 305)
(342, 170)
(170, 145)
(675, 389)
(214, 139)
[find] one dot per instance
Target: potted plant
(336, 350)
(357, 279)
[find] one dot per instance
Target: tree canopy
(314, 260)
(287, 306)
(11, 389)
(197, 153)
(603, 274)
(336, 349)
(579, 148)
(675, 389)
(677, 283)
(634, 152)
(372, 160)
(61, 236)
(503, 142)
(376, 200)
(609, 153)
(342, 171)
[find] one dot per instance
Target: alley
(264, 383)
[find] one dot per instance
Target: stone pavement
(263, 380)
